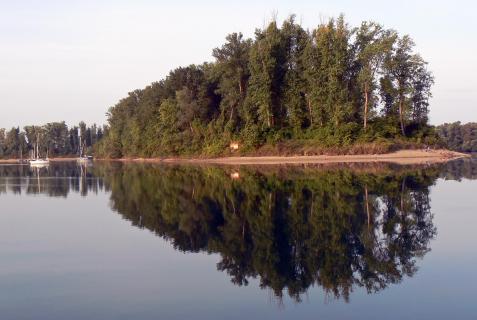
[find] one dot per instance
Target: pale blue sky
(72, 60)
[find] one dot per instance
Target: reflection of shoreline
(460, 169)
(66, 175)
(55, 180)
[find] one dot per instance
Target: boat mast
(37, 151)
(80, 144)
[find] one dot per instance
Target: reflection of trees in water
(55, 180)
(291, 228)
(460, 169)
(337, 229)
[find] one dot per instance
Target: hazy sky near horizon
(72, 60)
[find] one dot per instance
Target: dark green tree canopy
(330, 86)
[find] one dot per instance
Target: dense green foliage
(459, 137)
(54, 139)
(328, 87)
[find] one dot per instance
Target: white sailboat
(36, 160)
(82, 157)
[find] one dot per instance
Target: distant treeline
(333, 86)
(54, 138)
(459, 137)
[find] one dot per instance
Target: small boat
(39, 162)
(85, 159)
(36, 161)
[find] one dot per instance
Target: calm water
(133, 241)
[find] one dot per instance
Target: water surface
(138, 241)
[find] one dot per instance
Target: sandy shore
(399, 157)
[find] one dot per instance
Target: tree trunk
(231, 113)
(241, 86)
(309, 110)
(365, 106)
(401, 116)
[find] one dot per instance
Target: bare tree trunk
(401, 116)
(240, 87)
(365, 106)
(233, 206)
(308, 102)
(231, 113)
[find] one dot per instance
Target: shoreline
(15, 161)
(402, 157)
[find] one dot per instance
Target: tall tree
(12, 142)
(2, 142)
(266, 78)
(295, 41)
(422, 81)
(327, 59)
(56, 136)
(372, 44)
(403, 69)
(233, 73)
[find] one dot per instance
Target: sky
(72, 60)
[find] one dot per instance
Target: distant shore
(16, 161)
(399, 157)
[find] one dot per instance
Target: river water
(142, 241)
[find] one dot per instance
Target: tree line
(330, 86)
(459, 137)
(54, 139)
